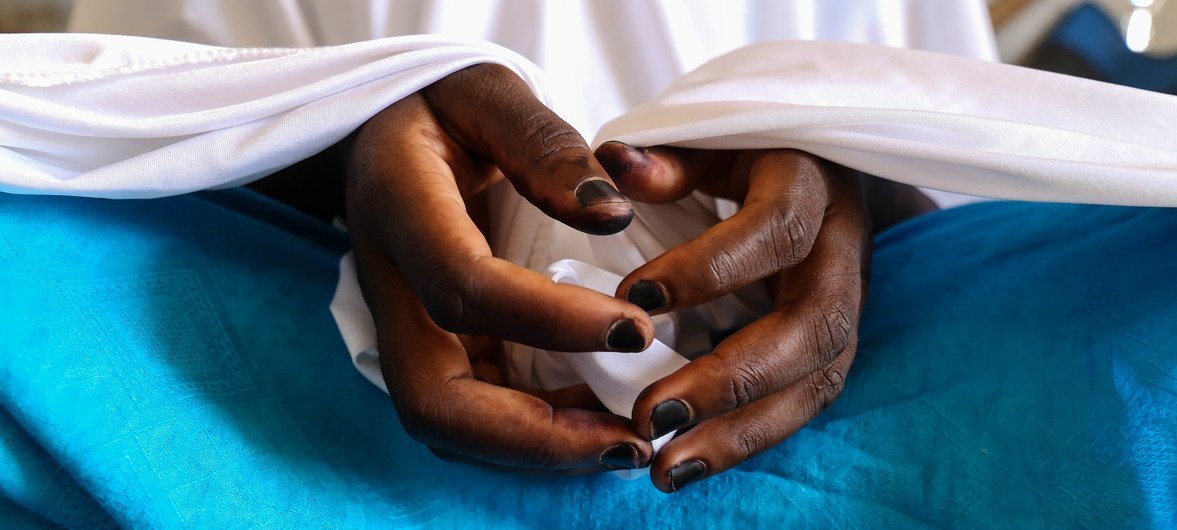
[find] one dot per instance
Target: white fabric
(602, 57)
(127, 117)
(617, 378)
(925, 119)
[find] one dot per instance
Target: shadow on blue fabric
(173, 363)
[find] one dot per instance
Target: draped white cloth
(131, 117)
(925, 119)
(601, 57)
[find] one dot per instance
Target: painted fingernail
(669, 415)
(596, 191)
(620, 456)
(647, 295)
(685, 473)
(624, 336)
(619, 158)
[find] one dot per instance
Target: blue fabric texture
(173, 363)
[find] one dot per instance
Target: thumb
(494, 113)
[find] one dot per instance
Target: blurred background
(34, 15)
(1131, 42)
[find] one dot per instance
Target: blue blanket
(173, 363)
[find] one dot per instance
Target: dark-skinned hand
(436, 292)
(415, 173)
(803, 227)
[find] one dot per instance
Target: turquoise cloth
(173, 363)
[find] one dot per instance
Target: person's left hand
(803, 226)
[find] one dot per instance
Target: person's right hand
(428, 275)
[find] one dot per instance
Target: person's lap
(174, 361)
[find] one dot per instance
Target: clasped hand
(442, 302)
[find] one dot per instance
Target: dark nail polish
(611, 225)
(619, 158)
(594, 192)
(685, 473)
(647, 295)
(624, 336)
(669, 415)
(620, 456)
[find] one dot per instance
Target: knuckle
(752, 437)
(827, 386)
(723, 269)
(748, 383)
(543, 135)
(790, 233)
(427, 416)
(546, 137)
(833, 330)
(543, 452)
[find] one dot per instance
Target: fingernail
(670, 415)
(685, 473)
(620, 456)
(596, 191)
(647, 295)
(624, 336)
(622, 158)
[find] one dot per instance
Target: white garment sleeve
(926, 119)
(133, 117)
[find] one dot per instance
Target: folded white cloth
(926, 119)
(133, 117)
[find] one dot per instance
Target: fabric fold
(134, 117)
(926, 119)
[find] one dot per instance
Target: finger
(512, 428)
(458, 458)
(493, 111)
(786, 202)
(441, 404)
(659, 175)
(818, 318)
(575, 397)
(415, 213)
(719, 444)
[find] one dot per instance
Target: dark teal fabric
(173, 363)
(1091, 34)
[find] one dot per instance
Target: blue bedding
(173, 363)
